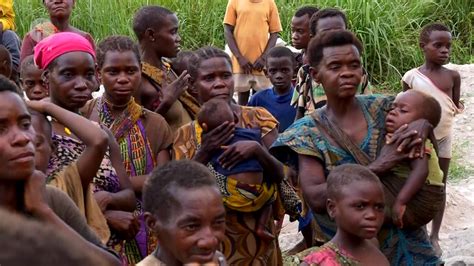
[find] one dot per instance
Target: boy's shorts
(445, 147)
(245, 82)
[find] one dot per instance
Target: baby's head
(412, 105)
(355, 200)
(214, 113)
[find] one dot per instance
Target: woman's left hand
(412, 137)
(237, 152)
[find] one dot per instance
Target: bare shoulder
(454, 74)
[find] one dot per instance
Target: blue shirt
(278, 105)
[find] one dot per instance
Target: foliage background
(389, 29)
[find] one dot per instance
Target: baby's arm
(416, 179)
(456, 87)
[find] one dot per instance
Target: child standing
(247, 25)
(300, 34)
(30, 79)
(444, 85)
(279, 69)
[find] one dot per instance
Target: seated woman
(350, 129)
(23, 190)
(211, 72)
(59, 14)
(144, 137)
(162, 90)
(68, 60)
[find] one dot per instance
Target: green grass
(460, 169)
(388, 28)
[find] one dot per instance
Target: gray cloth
(12, 42)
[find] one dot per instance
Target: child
(248, 173)
(300, 34)
(31, 81)
(444, 85)
(59, 13)
(180, 64)
(418, 183)
(356, 202)
(188, 234)
(279, 69)
(75, 179)
(251, 29)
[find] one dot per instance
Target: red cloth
(58, 44)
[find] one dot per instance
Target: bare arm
(313, 182)
(456, 88)
(244, 63)
(416, 179)
(259, 64)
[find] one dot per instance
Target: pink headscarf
(58, 44)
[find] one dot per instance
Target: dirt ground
(457, 232)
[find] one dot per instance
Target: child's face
(33, 84)
(438, 48)
(167, 38)
(359, 209)
(330, 23)
(43, 143)
(59, 8)
(339, 71)
(120, 75)
(214, 80)
(280, 72)
(72, 80)
(300, 32)
(405, 109)
(194, 233)
(17, 149)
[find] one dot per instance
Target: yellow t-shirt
(253, 21)
(7, 15)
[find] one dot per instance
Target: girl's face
(120, 74)
(214, 80)
(59, 8)
(17, 149)
(71, 80)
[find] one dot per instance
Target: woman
(144, 137)
(211, 72)
(351, 129)
(162, 90)
(68, 60)
(59, 12)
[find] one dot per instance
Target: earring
(153, 39)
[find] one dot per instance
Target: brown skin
(214, 80)
(340, 72)
(300, 36)
(159, 42)
(330, 23)
(279, 70)
(33, 84)
(22, 188)
(359, 214)
(247, 66)
(192, 234)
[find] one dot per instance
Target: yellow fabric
(7, 15)
(69, 181)
(244, 200)
(253, 20)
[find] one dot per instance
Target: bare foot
(264, 234)
(300, 246)
(436, 247)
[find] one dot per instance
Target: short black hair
(203, 54)
(8, 85)
(324, 13)
(116, 43)
(330, 39)
(306, 10)
(212, 113)
(428, 29)
(149, 17)
(345, 175)
(26, 63)
(158, 191)
(281, 51)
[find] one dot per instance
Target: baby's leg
(264, 215)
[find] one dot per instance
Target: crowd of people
(137, 153)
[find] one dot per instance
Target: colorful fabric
(248, 197)
(7, 15)
(252, 21)
(241, 246)
(305, 138)
(58, 44)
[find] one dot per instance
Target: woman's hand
(177, 87)
(238, 152)
(411, 137)
(217, 137)
(39, 106)
(398, 210)
(103, 199)
(124, 223)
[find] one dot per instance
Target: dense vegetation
(388, 28)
